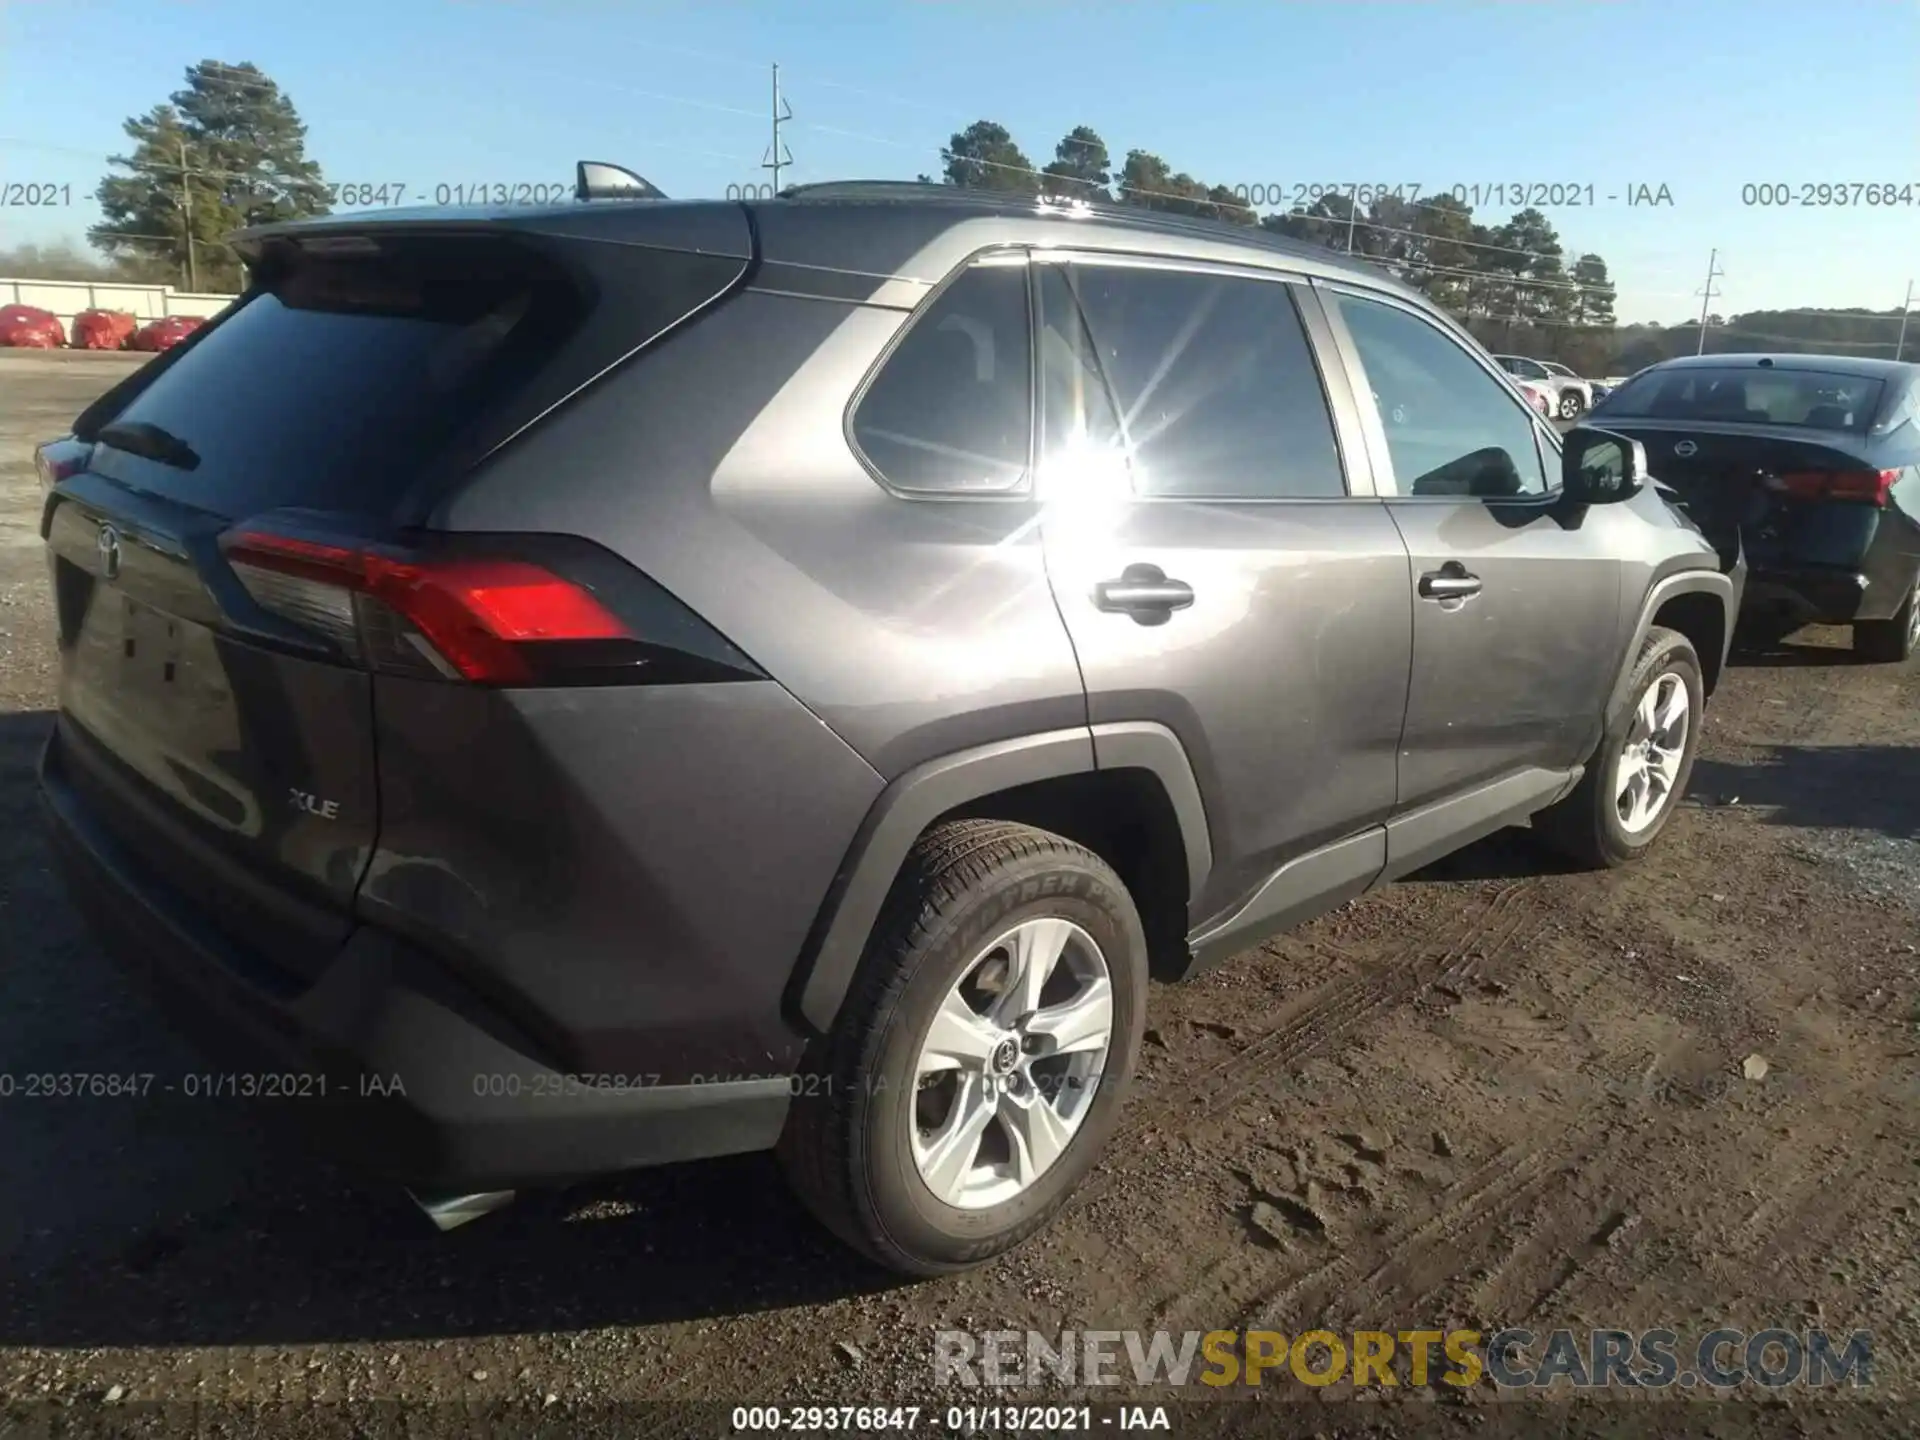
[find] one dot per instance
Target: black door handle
(1450, 582)
(1145, 593)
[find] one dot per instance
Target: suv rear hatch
(239, 551)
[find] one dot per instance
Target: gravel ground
(1494, 1094)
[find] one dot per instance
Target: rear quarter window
(950, 411)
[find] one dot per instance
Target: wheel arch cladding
(1021, 775)
(1702, 617)
(1697, 603)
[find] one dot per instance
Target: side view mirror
(1598, 467)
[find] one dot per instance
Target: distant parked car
(1572, 396)
(165, 334)
(1539, 396)
(1811, 465)
(103, 329)
(28, 327)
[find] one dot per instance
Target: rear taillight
(488, 621)
(58, 459)
(1871, 487)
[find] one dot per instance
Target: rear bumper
(388, 1064)
(1814, 595)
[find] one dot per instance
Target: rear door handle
(1145, 593)
(1450, 582)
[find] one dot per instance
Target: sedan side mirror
(1598, 467)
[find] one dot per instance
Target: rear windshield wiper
(150, 442)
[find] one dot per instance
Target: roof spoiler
(599, 180)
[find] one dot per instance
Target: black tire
(1888, 642)
(1585, 825)
(846, 1150)
(1571, 406)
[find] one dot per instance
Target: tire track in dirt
(1462, 1243)
(1356, 1281)
(1319, 1022)
(1229, 1268)
(1497, 1258)
(1337, 1009)
(1398, 1264)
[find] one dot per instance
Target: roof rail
(601, 180)
(887, 190)
(1119, 210)
(934, 190)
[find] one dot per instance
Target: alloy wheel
(1648, 769)
(1009, 1066)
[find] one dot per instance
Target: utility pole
(778, 156)
(1514, 318)
(1900, 345)
(186, 212)
(1714, 272)
(1353, 214)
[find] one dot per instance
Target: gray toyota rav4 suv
(587, 687)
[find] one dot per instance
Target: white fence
(67, 298)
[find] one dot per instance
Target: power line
(247, 77)
(236, 76)
(1353, 220)
(778, 158)
(1392, 262)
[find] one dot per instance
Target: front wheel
(1571, 405)
(1640, 770)
(1890, 642)
(978, 1063)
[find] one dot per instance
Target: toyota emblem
(1685, 448)
(109, 543)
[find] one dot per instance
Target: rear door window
(1213, 377)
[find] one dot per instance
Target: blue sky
(1701, 96)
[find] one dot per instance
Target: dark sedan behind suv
(1811, 464)
(630, 681)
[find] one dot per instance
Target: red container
(27, 327)
(103, 329)
(165, 334)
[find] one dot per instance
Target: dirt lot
(1495, 1095)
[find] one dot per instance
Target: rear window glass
(335, 386)
(1749, 395)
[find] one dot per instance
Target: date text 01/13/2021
(195, 1085)
(954, 1420)
(1519, 194)
(391, 194)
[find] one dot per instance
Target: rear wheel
(980, 1058)
(1889, 642)
(1636, 777)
